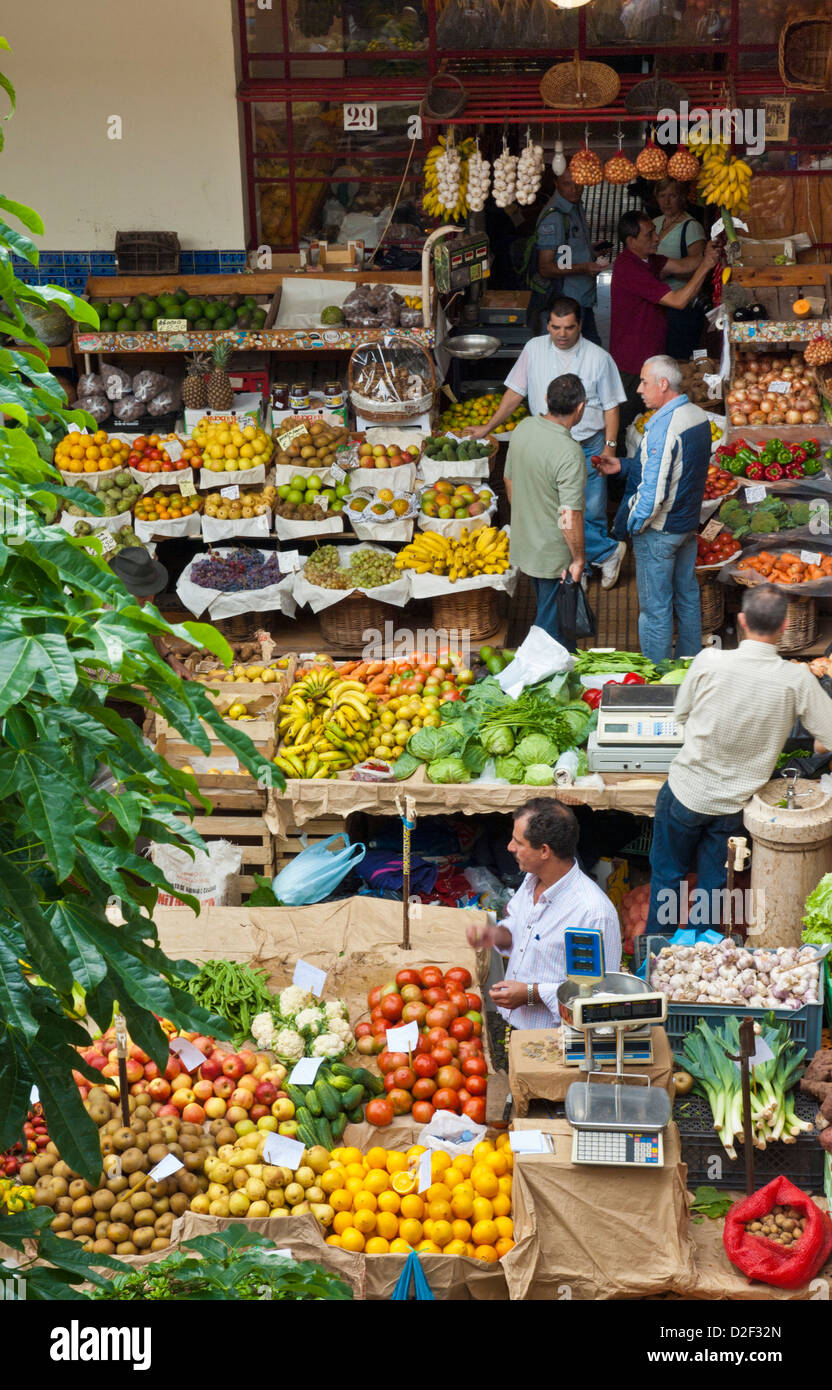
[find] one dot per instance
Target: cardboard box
(250, 404)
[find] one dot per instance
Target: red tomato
(474, 1066)
(431, 975)
(433, 996)
(424, 1088)
(374, 997)
(450, 696)
(477, 1085)
(464, 1094)
(475, 1109)
(404, 1077)
(462, 1029)
(380, 1029)
(446, 1099)
(460, 975)
(411, 994)
(414, 1012)
(400, 1100)
(452, 1045)
(391, 1007)
(379, 1113)
(440, 1016)
(477, 1030)
(437, 1037)
(388, 1061)
(474, 1001)
(422, 1112)
(362, 1030)
(425, 1065)
(423, 1046)
(450, 1076)
(442, 1056)
(459, 1000)
(389, 1081)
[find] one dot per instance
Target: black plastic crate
(655, 941)
(800, 1162)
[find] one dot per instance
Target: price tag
(403, 1039)
(187, 489)
(173, 449)
(171, 326)
(189, 1056)
(700, 352)
(289, 560)
(34, 1096)
(811, 557)
(282, 1152)
(284, 440)
(781, 388)
(322, 502)
(424, 1170)
(166, 1168)
(305, 1071)
(762, 1053)
(712, 530)
(108, 542)
(232, 492)
(529, 1141)
(337, 472)
(309, 977)
(755, 494)
(361, 116)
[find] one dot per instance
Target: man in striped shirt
(554, 895)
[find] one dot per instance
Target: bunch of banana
(326, 725)
(484, 552)
(413, 301)
(723, 179)
(430, 200)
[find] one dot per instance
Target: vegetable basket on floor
(474, 611)
(712, 602)
(346, 624)
(800, 1162)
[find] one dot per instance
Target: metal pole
(408, 818)
(747, 1049)
(120, 1024)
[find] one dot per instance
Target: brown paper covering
(538, 1078)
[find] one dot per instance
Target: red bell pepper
(592, 698)
(632, 679)
(773, 473)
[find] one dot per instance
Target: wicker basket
(444, 98)
(474, 614)
(647, 98)
(801, 618)
(393, 412)
(147, 253)
(805, 53)
(823, 380)
(712, 600)
(347, 624)
(579, 86)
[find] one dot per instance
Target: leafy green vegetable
(510, 768)
(536, 748)
(405, 765)
(711, 1203)
(447, 770)
(429, 744)
(474, 757)
(539, 774)
(818, 918)
(498, 739)
(600, 663)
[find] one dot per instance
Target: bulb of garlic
(479, 181)
(505, 178)
(529, 173)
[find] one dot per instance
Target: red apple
(158, 1088)
(135, 1070)
(210, 1069)
(203, 1090)
(168, 1111)
(194, 1114)
(182, 1097)
(151, 1071)
(248, 1059)
(173, 1068)
(223, 1087)
(242, 1096)
(234, 1067)
(257, 1112)
(266, 1093)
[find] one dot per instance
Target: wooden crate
(261, 729)
(288, 845)
(251, 834)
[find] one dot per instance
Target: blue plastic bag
(315, 873)
(683, 936)
(421, 1288)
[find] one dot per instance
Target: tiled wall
(70, 269)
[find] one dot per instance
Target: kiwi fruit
(103, 1247)
(98, 1113)
(204, 1184)
(170, 1132)
(131, 1160)
(176, 1150)
(29, 1173)
(189, 1128)
(226, 1136)
(135, 1179)
(141, 1201)
(44, 1163)
(117, 1184)
(158, 1189)
(112, 1127)
(179, 1203)
(83, 1226)
(194, 1161)
(61, 1222)
(62, 1170)
(101, 1230)
(103, 1199)
(107, 1145)
(144, 1218)
(121, 1212)
(189, 1143)
(144, 1237)
(144, 1112)
(122, 1139)
(82, 1206)
(126, 1247)
(164, 1224)
(58, 1186)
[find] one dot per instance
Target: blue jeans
(684, 840)
(546, 593)
(666, 580)
(597, 543)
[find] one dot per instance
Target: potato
(118, 1231)
(62, 1222)
(126, 1247)
(63, 1204)
(103, 1199)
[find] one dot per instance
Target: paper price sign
(189, 1056)
(173, 449)
(282, 1152)
(309, 977)
(403, 1039)
(337, 472)
(424, 1171)
(284, 440)
(305, 1071)
(811, 557)
(187, 489)
(172, 325)
(529, 1141)
(34, 1096)
(712, 529)
(165, 1168)
(781, 388)
(289, 560)
(232, 492)
(322, 502)
(107, 543)
(700, 352)
(762, 1053)
(755, 494)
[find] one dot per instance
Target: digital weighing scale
(617, 1118)
(636, 731)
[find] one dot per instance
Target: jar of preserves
(280, 395)
(299, 396)
(333, 394)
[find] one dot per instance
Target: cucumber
(340, 1083)
(353, 1097)
(331, 1101)
(307, 1137)
(356, 1116)
(370, 1082)
(313, 1103)
(296, 1094)
(303, 1117)
(340, 1069)
(324, 1133)
(338, 1125)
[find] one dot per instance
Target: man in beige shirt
(737, 708)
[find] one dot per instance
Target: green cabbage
(450, 769)
(498, 739)
(429, 744)
(535, 748)
(509, 768)
(405, 766)
(474, 757)
(539, 775)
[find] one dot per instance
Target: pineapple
(220, 394)
(194, 387)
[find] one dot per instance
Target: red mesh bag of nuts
(799, 1244)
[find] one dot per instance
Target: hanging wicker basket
(474, 612)
(801, 618)
(805, 53)
(444, 98)
(578, 86)
(392, 411)
(648, 98)
(712, 601)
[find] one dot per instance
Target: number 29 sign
(361, 116)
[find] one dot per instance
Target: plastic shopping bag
(537, 657)
(421, 1288)
(575, 617)
(762, 1259)
(315, 872)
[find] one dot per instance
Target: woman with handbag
(681, 238)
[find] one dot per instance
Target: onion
(800, 403)
(787, 373)
(775, 418)
(738, 418)
(740, 393)
(794, 417)
(766, 405)
(755, 393)
(756, 418)
(810, 417)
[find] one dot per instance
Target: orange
(439, 1161)
(455, 1247)
(377, 1158)
(482, 1150)
(331, 1180)
(411, 1231)
(469, 1250)
(505, 1226)
(346, 1156)
(485, 1233)
(404, 1182)
(365, 1221)
(485, 1182)
(333, 1240)
(442, 1232)
(462, 1204)
(439, 1211)
(498, 1163)
(400, 1247)
(377, 1246)
(502, 1205)
(504, 1184)
(503, 1142)
(483, 1209)
(413, 1206)
(461, 1230)
(452, 1177)
(387, 1224)
(341, 1222)
(486, 1253)
(415, 1151)
(376, 1181)
(340, 1199)
(389, 1202)
(351, 1239)
(354, 1170)
(503, 1246)
(427, 1228)
(354, 1186)
(364, 1201)
(438, 1192)
(396, 1162)
(428, 1247)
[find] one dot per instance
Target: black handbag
(575, 618)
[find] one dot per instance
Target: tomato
(404, 1077)
(436, 995)
(464, 1094)
(388, 1061)
(440, 1016)
(374, 997)
(362, 1030)
(424, 1088)
(423, 1112)
(442, 1056)
(380, 1031)
(379, 1113)
(450, 1076)
(450, 696)
(431, 975)
(477, 1085)
(446, 1099)
(408, 977)
(425, 1065)
(474, 1066)
(389, 1081)
(475, 1109)
(460, 975)
(459, 999)
(389, 988)
(368, 1046)
(411, 994)
(414, 1012)
(461, 1028)
(422, 1048)
(437, 1037)
(474, 1001)
(392, 1006)
(452, 1045)
(477, 1030)
(400, 1100)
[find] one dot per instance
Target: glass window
(264, 28)
(335, 208)
(762, 20)
(466, 25)
(610, 22)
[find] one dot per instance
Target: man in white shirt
(554, 895)
(563, 349)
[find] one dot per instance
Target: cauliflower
(291, 1000)
(329, 1045)
(341, 1028)
(289, 1045)
(262, 1029)
(311, 1021)
(336, 1008)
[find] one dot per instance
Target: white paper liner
(214, 529)
(150, 481)
(276, 598)
(318, 599)
(434, 585)
(98, 523)
(294, 530)
(401, 479)
(212, 481)
(431, 470)
(401, 530)
(168, 530)
(93, 480)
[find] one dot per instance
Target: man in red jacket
(638, 299)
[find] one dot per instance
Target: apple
(289, 1128)
(203, 1090)
(183, 1097)
(283, 1109)
(245, 1127)
(158, 1088)
(267, 1122)
(234, 1067)
(223, 1087)
(378, 450)
(430, 509)
(235, 1113)
(215, 1108)
(194, 1114)
(299, 483)
(182, 1082)
(210, 1069)
(174, 1068)
(413, 450)
(283, 491)
(257, 1112)
(266, 1093)
(151, 1071)
(167, 1112)
(248, 1082)
(465, 677)
(138, 1054)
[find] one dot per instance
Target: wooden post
(120, 1024)
(406, 811)
(738, 854)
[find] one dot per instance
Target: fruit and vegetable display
(367, 569)
(787, 568)
(305, 499)
(231, 447)
(166, 506)
(775, 461)
(382, 506)
(705, 1056)
(148, 454)
(386, 455)
(313, 448)
(204, 313)
(446, 499)
(445, 448)
(773, 389)
(251, 502)
(717, 551)
(236, 572)
(718, 482)
(774, 513)
(478, 410)
(254, 672)
(783, 977)
(326, 723)
(118, 494)
(484, 552)
(90, 453)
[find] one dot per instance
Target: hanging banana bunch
(446, 179)
(724, 180)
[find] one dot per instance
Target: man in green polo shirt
(546, 486)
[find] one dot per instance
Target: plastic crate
(640, 845)
(801, 1162)
(655, 942)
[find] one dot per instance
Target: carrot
(360, 671)
(376, 687)
(347, 668)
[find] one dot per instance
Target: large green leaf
(45, 956)
(24, 214)
(67, 919)
(15, 995)
(69, 1124)
(18, 669)
(15, 1089)
(50, 799)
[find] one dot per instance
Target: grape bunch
(236, 572)
(324, 569)
(368, 569)
(371, 568)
